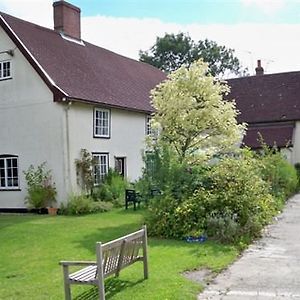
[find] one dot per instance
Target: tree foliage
(191, 114)
(173, 51)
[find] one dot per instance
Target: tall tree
(173, 51)
(192, 116)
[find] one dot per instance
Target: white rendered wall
(288, 154)
(31, 124)
(296, 144)
(126, 139)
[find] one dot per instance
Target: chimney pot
(67, 19)
(259, 70)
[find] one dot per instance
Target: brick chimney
(67, 19)
(259, 69)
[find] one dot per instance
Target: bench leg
(101, 290)
(145, 254)
(67, 291)
(66, 283)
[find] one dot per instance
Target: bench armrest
(77, 263)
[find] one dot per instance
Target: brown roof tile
(88, 73)
(267, 98)
(280, 135)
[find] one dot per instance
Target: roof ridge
(28, 22)
(91, 74)
(263, 76)
(86, 42)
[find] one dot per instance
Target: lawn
(32, 245)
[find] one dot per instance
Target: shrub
(280, 174)
(81, 204)
(84, 171)
(240, 190)
(231, 201)
(163, 172)
(112, 189)
(224, 228)
(297, 167)
(40, 187)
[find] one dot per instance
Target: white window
(5, 70)
(148, 125)
(9, 173)
(101, 167)
(102, 123)
(151, 130)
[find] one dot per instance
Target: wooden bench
(112, 257)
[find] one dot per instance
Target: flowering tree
(192, 116)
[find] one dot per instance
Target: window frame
(97, 182)
(2, 70)
(95, 134)
(148, 129)
(6, 187)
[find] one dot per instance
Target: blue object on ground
(194, 239)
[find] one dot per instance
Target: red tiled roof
(280, 135)
(267, 98)
(86, 73)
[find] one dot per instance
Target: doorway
(120, 166)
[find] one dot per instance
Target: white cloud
(269, 7)
(37, 11)
(276, 45)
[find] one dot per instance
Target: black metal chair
(131, 196)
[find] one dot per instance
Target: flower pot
(52, 211)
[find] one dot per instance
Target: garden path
(269, 268)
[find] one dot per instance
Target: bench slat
(85, 275)
(118, 242)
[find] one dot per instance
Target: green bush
(297, 167)
(234, 202)
(112, 189)
(240, 190)
(224, 228)
(84, 171)
(275, 169)
(280, 174)
(40, 187)
(163, 172)
(81, 204)
(230, 198)
(162, 220)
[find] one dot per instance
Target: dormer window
(5, 69)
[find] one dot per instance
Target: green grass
(31, 247)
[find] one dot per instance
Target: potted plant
(41, 188)
(50, 194)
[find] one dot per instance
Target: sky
(268, 30)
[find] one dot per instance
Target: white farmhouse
(60, 94)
